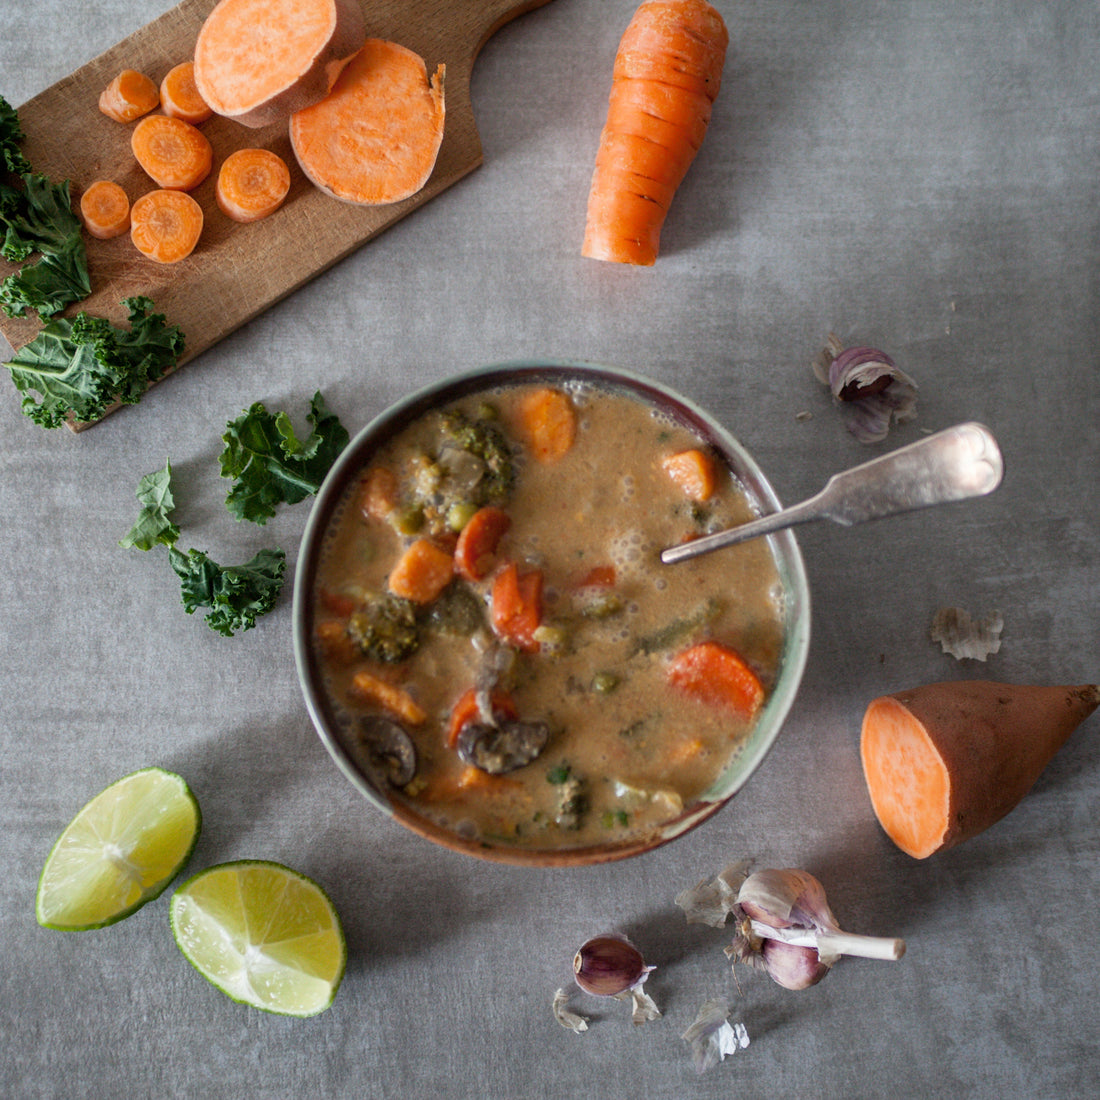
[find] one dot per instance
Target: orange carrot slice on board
(375, 137)
(166, 225)
(105, 209)
(130, 95)
(422, 572)
(179, 95)
(252, 183)
(258, 61)
(548, 423)
(714, 674)
(478, 541)
(693, 472)
(667, 73)
(174, 154)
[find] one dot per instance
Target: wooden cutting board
(237, 271)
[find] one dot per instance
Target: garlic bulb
(787, 927)
(783, 923)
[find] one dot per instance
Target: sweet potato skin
(995, 740)
(311, 84)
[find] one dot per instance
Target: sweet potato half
(258, 61)
(945, 761)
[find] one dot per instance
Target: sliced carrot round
(165, 225)
(478, 541)
(714, 674)
(105, 209)
(252, 183)
(693, 472)
(179, 95)
(375, 137)
(130, 95)
(173, 153)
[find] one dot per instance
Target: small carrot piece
(378, 493)
(376, 136)
(599, 576)
(130, 95)
(469, 781)
(179, 95)
(337, 645)
(667, 72)
(258, 61)
(166, 225)
(466, 710)
(422, 572)
(693, 472)
(252, 183)
(389, 696)
(714, 674)
(516, 607)
(548, 423)
(105, 210)
(943, 762)
(173, 153)
(478, 542)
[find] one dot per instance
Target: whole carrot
(667, 73)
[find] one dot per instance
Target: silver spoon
(955, 464)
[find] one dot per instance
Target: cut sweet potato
(943, 762)
(422, 572)
(258, 61)
(376, 136)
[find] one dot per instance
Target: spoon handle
(954, 464)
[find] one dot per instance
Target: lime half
(120, 851)
(265, 935)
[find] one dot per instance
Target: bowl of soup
(488, 643)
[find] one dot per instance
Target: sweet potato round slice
(258, 61)
(375, 137)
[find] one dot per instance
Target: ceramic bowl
(795, 603)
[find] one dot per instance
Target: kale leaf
(11, 135)
(154, 526)
(234, 594)
(271, 465)
(80, 367)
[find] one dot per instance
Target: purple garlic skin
(792, 967)
(608, 965)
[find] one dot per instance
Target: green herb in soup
(491, 590)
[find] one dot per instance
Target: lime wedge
(122, 849)
(265, 935)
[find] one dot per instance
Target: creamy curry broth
(626, 751)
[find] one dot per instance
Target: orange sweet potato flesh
(943, 762)
(259, 61)
(375, 137)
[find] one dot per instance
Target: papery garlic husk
(788, 929)
(570, 1020)
(712, 900)
(869, 386)
(711, 1036)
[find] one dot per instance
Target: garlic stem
(833, 944)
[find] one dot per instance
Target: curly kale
(271, 465)
(11, 136)
(80, 367)
(235, 594)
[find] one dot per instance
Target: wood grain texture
(238, 271)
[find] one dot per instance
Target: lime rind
(262, 933)
(122, 849)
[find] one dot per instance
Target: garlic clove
(793, 967)
(609, 966)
